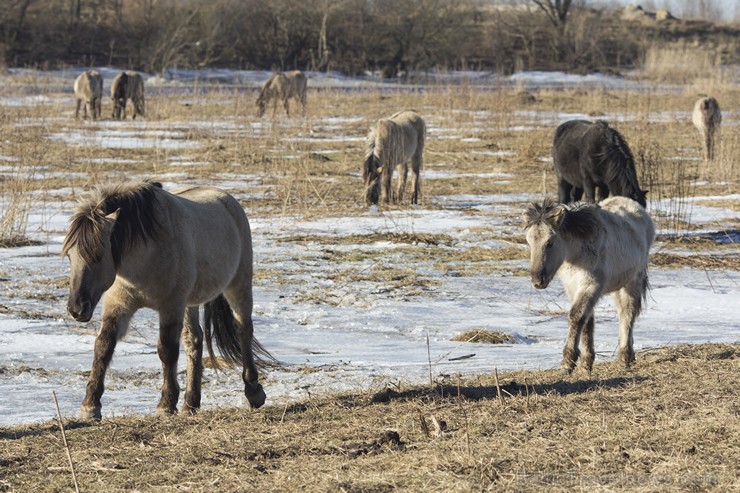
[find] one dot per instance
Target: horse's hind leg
(168, 348)
(192, 339)
(240, 301)
(629, 303)
(416, 164)
(115, 324)
(403, 172)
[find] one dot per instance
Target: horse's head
(547, 246)
(92, 266)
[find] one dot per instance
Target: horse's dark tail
(370, 175)
(219, 322)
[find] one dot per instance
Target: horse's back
(214, 229)
(208, 202)
(629, 221)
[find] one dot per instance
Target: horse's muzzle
(540, 281)
(82, 312)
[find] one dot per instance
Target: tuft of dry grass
(669, 423)
(483, 336)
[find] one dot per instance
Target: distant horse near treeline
(392, 143)
(127, 86)
(283, 86)
(707, 118)
(593, 159)
(88, 89)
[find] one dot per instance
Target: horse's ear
(557, 215)
(532, 212)
(113, 216)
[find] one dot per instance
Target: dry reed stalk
(66, 445)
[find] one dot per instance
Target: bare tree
(555, 10)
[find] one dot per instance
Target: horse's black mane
(580, 220)
(620, 164)
(136, 221)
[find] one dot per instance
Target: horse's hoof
(90, 413)
(566, 371)
(189, 410)
(255, 395)
(166, 411)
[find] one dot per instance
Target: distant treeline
(349, 36)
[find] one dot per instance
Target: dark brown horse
(590, 157)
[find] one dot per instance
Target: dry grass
(668, 424)
(483, 336)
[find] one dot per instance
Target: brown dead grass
(483, 336)
(668, 424)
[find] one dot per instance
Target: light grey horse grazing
(594, 250)
(127, 86)
(171, 252)
(392, 143)
(707, 118)
(283, 87)
(88, 88)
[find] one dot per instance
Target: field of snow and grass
(347, 296)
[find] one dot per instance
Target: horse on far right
(707, 118)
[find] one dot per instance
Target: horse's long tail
(219, 322)
(370, 174)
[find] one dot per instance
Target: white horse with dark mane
(392, 143)
(594, 250)
(707, 118)
(283, 86)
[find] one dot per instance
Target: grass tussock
(483, 336)
(670, 423)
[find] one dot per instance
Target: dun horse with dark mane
(707, 118)
(171, 252)
(591, 157)
(594, 250)
(127, 86)
(283, 87)
(88, 88)
(392, 143)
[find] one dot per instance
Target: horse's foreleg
(77, 111)
(564, 192)
(385, 176)
(587, 346)
(286, 105)
(113, 328)
(589, 189)
(578, 318)
(168, 349)
(192, 338)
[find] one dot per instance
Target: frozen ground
(362, 336)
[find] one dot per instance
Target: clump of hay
(483, 336)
